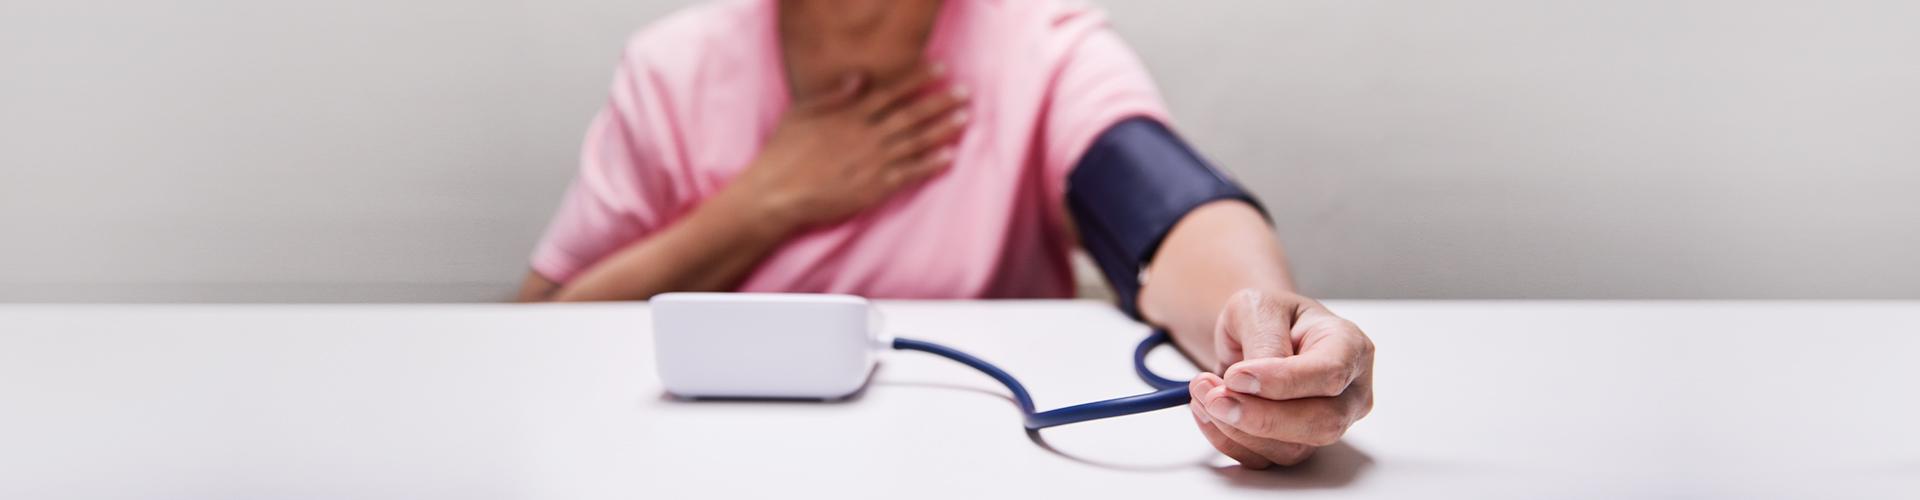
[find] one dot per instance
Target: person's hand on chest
(850, 147)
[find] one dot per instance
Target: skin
(1296, 376)
(1284, 375)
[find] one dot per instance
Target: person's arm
(829, 158)
(1214, 252)
(711, 248)
(1187, 250)
(1295, 375)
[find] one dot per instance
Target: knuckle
(1246, 297)
(1334, 381)
(1325, 428)
(1261, 423)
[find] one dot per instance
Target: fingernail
(960, 91)
(960, 116)
(1200, 415)
(1243, 383)
(1206, 384)
(1225, 409)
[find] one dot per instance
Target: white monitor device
(764, 345)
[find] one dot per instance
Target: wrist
(759, 215)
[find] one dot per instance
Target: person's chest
(959, 234)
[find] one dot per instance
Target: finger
(1325, 367)
(1251, 326)
(1202, 384)
(916, 115)
(920, 168)
(1310, 421)
(1226, 349)
(876, 104)
(1317, 324)
(930, 135)
(1248, 458)
(1276, 451)
(843, 92)
(1265, 327)
(1279, 452)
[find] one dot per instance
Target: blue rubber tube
(1140, 362)
(1170, 392)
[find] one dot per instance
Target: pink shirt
(696, 95)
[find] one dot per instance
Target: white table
(1475, 399)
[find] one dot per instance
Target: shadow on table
(1331, 467)
(673, 398)
(1041, 441)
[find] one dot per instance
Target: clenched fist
(1292, 378)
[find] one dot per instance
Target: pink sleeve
(1098, 82)
(625, 188)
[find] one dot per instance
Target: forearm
(711, 248)
(1212, 253)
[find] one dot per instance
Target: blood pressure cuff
(1133, 184)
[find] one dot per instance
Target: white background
(278, 150)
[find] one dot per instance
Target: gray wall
(360, 150)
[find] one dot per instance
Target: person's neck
(824, 38)
(836, 17)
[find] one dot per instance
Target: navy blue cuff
(1133, 184)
